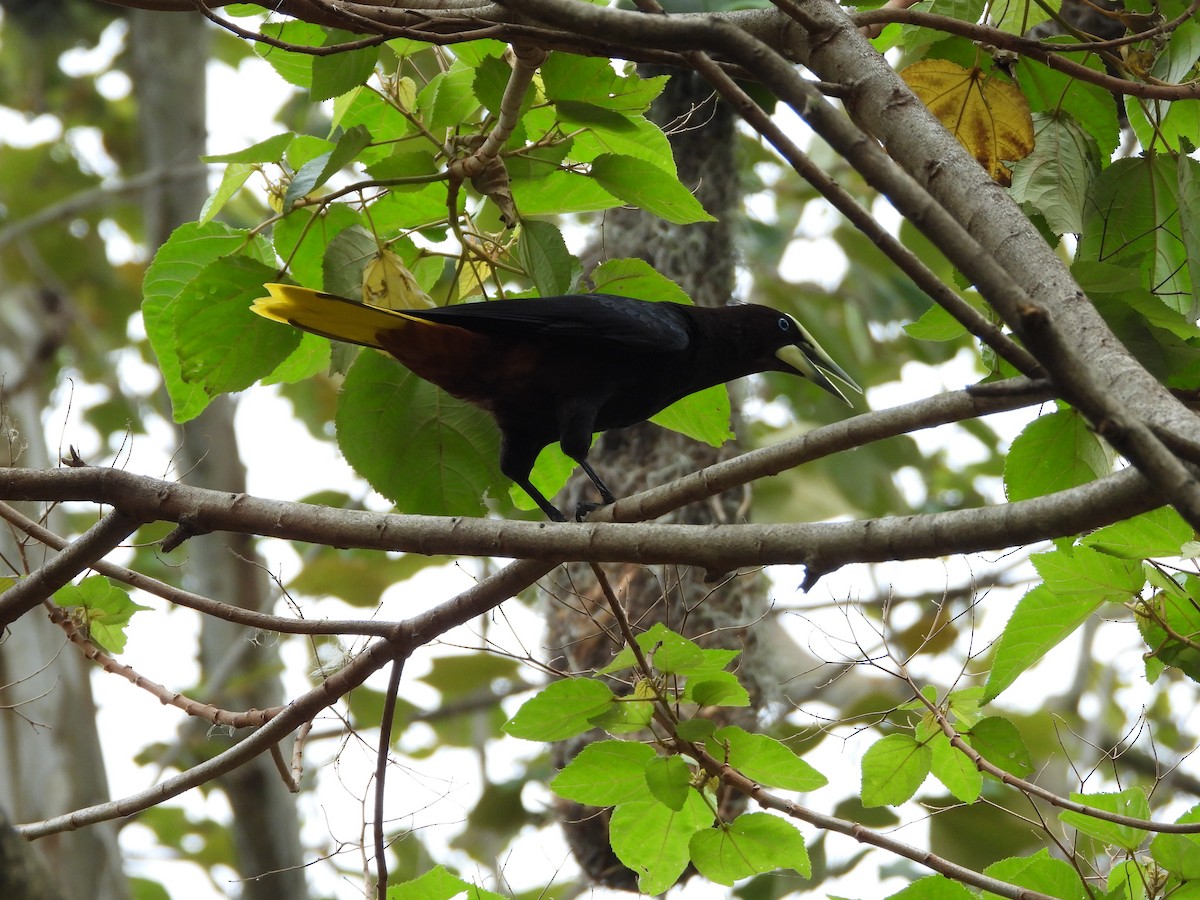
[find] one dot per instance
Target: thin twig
(250, 718)
(1034, 790)
(381, 762)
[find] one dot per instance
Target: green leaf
(648, 187)
(557, 192)
(636, 278)
(652, 839)
(997, 740)
(1056, 177)
(294, 68)
(1057, 93)
(892, 770)
(954, 769)
(1163, 124)
(765, 760)
(1127, 881)
(269, 150)
(413, 164)
(438, 884)
(232, 179)
(669, 780)
(177, 265)
(469, 674)
(104, 610)
(449, 448)
(631, 713)
(320, 169)
(1039, 873)
(1133, 220)
(609, 132)
(346, 256)
(550, 473)
(716, 689)
(1082, 570)
(753, 843)
(1187, 175)
(1053, 453)
(1041, 620)
(302, 236)
(670, 652)
(311, 357)
(702, 416)
(561, 710)
(1017, 16)
(544, 257)
(222, 345)
(933, 887)
(449, 98)
(368, 107)
(935, 324)
(605, 773)
(1174, 644)
(337, 73)
(593, 80)
(1160, 532)
(492, 74)
(1131, 802)
(1179, 854)
(695, 730)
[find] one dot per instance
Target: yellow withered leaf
(387, 283)
(990, 117)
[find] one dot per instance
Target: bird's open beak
(808, 358)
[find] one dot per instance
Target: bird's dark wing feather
(619, 321)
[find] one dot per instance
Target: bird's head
(792, 349)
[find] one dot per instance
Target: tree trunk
(50, 757)
(701, 259)
(170, 54)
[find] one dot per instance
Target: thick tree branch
(206, 605)
(821, 548)
(942, 409)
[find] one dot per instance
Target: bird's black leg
(606, 496)
(552, 512)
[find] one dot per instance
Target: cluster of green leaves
(664, 801)
(1137, 256)
(897, 765)
(401, 115)
(100, 609)
(1138, 252)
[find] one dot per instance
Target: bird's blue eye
(785, 323)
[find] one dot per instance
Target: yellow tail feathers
(328, 315)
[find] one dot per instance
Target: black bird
(562, 368)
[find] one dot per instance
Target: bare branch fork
(398, 646)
